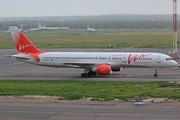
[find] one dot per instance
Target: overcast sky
(33, 8)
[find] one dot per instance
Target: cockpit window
(169, 59)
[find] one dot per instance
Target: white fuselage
(54, 28)
(91, 29)
(92, 59)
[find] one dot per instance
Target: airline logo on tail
(23, 45)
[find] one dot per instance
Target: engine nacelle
(118, 69)
(102, 69)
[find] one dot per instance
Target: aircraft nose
(174, 63)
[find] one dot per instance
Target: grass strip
(99, 90)
(100, 39)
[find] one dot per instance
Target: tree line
(96, 24)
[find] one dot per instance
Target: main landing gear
(156, 71)
(87, 73)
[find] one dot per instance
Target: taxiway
(83, 110)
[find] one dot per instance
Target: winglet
(23, 44)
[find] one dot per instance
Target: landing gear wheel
(156, 71)
(87, 74)
(94, 73)
(83, 75)
(155, 75)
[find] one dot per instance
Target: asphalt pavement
(84, 110)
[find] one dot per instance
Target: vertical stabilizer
(87, 27)
(23, 44)
(39, 25)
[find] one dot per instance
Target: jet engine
(102, 69)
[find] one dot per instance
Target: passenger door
(124, 59)
(159, 59)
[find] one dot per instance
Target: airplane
(90, 29)
(21, 29)
(93, 63)
(51, 28)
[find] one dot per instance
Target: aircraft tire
(83, 75)
(87, 74)
(94, 73)
(155, 75)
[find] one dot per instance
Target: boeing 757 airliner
(102, 63)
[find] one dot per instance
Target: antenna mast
(175, 28)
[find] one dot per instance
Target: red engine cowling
(118, 69)
(102, 69)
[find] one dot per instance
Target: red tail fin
(23, 44)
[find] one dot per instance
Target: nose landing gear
(156, 71)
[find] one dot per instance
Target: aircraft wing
(91, 65)
(85, 65)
